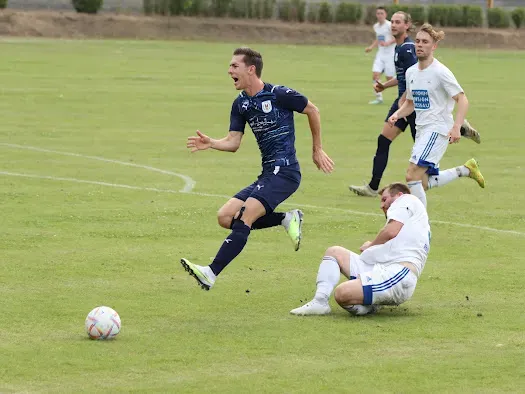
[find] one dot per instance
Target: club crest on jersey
(266, 106)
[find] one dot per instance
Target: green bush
(262, 9)
(418, 14)
(240, 9)
(391, 9)
(176, 7)
(217, 8)
(446, 15)
(196, 7)
(292, 10)
(370, 14)
(436, 15)
(148, 6)
(348, 13)
(455, 16)
(518, 17)
(3, 3)
(498, 17)
(86, 6)
(313, 13)
(325, 12)
(473, 16)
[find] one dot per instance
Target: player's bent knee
(225, 221)
(338, 252)
(341, 295)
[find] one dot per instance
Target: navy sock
(380, 161)
(231, 247)
(269, 220)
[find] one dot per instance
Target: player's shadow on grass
(386, 313)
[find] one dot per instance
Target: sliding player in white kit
(387, 270)
(432, 91)
(384, 60)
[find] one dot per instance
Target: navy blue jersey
(270, 116)
(404, 58)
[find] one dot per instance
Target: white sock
(209, 273)
(379, 95)
(327, 278)
(286, 221)
(416, 188)
(447, 176)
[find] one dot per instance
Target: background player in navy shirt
(405, 57)
(269, 111)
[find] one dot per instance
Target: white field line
(189, 183)
(483, 228)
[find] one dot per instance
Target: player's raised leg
(231, 246)
(291, 221)
(469, 169)
(469, 132)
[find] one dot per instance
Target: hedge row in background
(86, 6)
(326, 12)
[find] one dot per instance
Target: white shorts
(428, 151)
(383, 284)
(384, 64)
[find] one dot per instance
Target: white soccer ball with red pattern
(103, 323)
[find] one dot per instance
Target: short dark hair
(395, 188)
(380, 7)
(251, 58)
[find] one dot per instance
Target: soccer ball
(102, 323)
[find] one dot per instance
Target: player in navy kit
(404, 58)
(269, 110)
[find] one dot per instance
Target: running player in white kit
(384, 60)
(387, 270)
(432, 91)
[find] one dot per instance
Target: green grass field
(68, 246)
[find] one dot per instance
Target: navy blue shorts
(273, 186)
(402, 123)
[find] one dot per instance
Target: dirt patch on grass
(55, 24)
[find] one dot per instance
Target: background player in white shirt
(432, 91)
(387, 270)
(384, 60)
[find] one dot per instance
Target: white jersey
(384, 34)
(412, 244)
(432, 90)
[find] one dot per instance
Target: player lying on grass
(387, 270)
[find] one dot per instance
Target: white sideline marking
(495, 230)
(189, 183)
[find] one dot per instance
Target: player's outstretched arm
(230, 143)
(379, 87)
(391, 229)
(455, 134)
(372, 46)
(320, 158)
(406, 109)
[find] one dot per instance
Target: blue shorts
(273, 186)
(402, 123)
